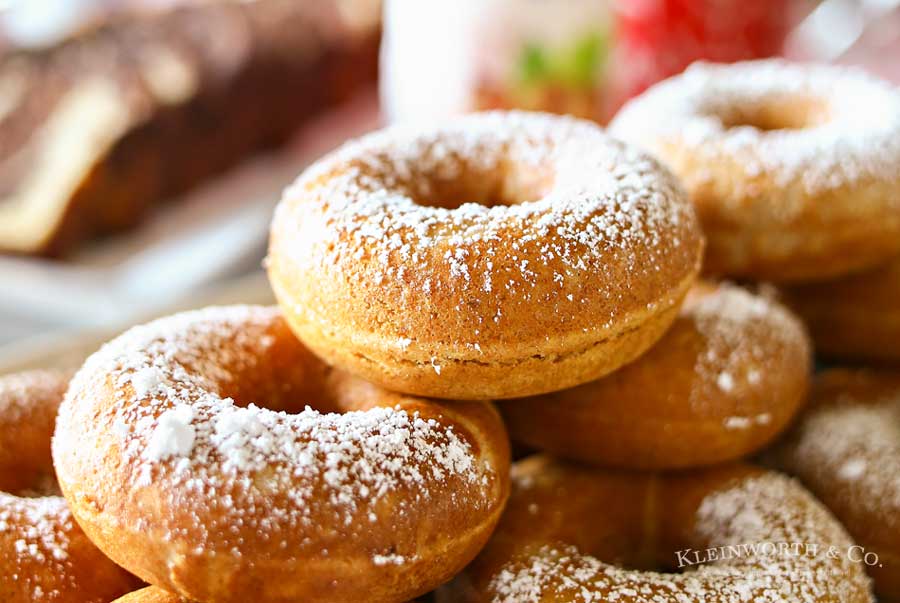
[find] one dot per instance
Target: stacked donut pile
(507, 277)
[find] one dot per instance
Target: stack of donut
(795, 174)
(503, 277)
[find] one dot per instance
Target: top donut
(794, 168)
(497, 255)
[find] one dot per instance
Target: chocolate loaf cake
(117, 119)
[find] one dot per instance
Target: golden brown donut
(846, 449)
(794, 168)
(572, 534)
(853, 318)
(152, 594)
(174, 471)
(495, 256)
(721, 383)
(44, 556)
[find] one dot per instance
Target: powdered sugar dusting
(38, 529)
(859, 139)
(767, 508)
(853, 469)
(42, 521)
(173, 435)
(183, 436)
(855, 447)
(17, 392)
(746, 336)
(389, 559)
(725, 381)
(748, 422)
(145, 381)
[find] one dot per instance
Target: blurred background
(144, 143)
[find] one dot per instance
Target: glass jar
(583, 57)
(441, 58)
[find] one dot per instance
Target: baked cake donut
(44, 555)
(152, 594)
(495, 256)
(721, 383)
(794, 168)
(729, 534)
(173, 470)
(856, 317)
(846, 449)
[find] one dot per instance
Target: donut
(732, 533)
(151, 594)
(794, 168)
(44, 556)
(854, 318)
(721, 383)
(498, 255)
(846, 450)
(334, 490)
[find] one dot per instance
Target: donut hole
(26, 468)
(287, 377)
(32, 478)
(775, 115)
(505, 184)
(630, 548)
(39, 485)
(632, 558)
